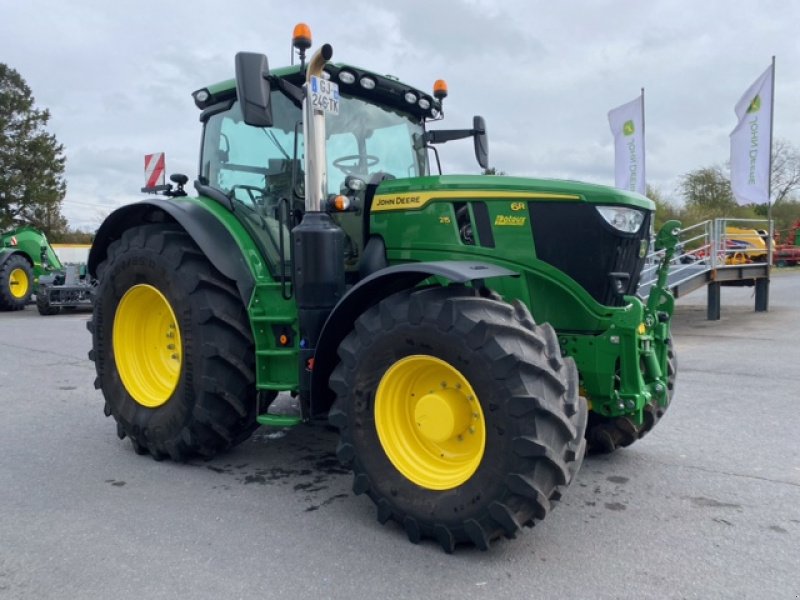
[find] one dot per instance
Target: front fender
(369, 292)
(202, 226)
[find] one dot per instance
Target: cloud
(117, 77)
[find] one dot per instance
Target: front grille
(574, 238)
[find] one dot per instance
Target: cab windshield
(366, 139)
(253, 165)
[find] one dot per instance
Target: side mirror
(481, 141)
(252, 88)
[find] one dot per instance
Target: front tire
(458, 415)
(16, 283)
(172, 347)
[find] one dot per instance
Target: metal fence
(713, 253)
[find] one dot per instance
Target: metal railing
(709, 246)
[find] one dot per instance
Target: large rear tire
(16, 283)
(457, 414)
(172, 347)
(605, 434)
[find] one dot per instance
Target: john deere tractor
(466, 349)
(25, 255)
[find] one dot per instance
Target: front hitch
(661, 303)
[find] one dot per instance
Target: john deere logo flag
(627, 125)
(628, 128)
(751, 143)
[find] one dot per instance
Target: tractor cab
(376, 132)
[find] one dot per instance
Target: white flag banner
(751, 143)
(627, 125)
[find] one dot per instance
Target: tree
(32, 184)
(708, 193)
(665, 211)
(492, 171)
(785, 215)
(785, 177)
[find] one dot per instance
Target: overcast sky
(117, 76)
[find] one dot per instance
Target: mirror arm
(447, 135)
(291, 91)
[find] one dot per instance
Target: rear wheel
(604, 434)
(172, 346)
(458, 415)
(16, 283)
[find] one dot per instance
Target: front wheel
(172, 346)
(458, 415)
(16, 283)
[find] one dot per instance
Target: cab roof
(388, 90)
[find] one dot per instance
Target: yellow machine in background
(743, 245)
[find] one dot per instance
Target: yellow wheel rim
(18, 283)
(147, 345)
(430, 422)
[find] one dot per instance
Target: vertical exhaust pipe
(314, 136)
(317, 242)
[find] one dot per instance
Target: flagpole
(643, 145)
(771, 121)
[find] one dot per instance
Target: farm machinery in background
(25, 257)
(718, 243)
(737, 245)
(30, 265)
(787, 252)
(70, 288)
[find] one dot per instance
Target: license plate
(324, 95)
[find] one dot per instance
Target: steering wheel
(369, 160)
(252, 190)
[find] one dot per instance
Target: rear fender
(202, 226)
(369, 292)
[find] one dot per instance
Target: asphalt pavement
(707, 506)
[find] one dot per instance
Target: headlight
(621, 218)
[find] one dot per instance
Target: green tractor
(466, 349)
(25, 256)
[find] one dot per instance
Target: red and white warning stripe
(13, 240)
(154, 169)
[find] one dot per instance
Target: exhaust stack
(317, 242)
(314, 136)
